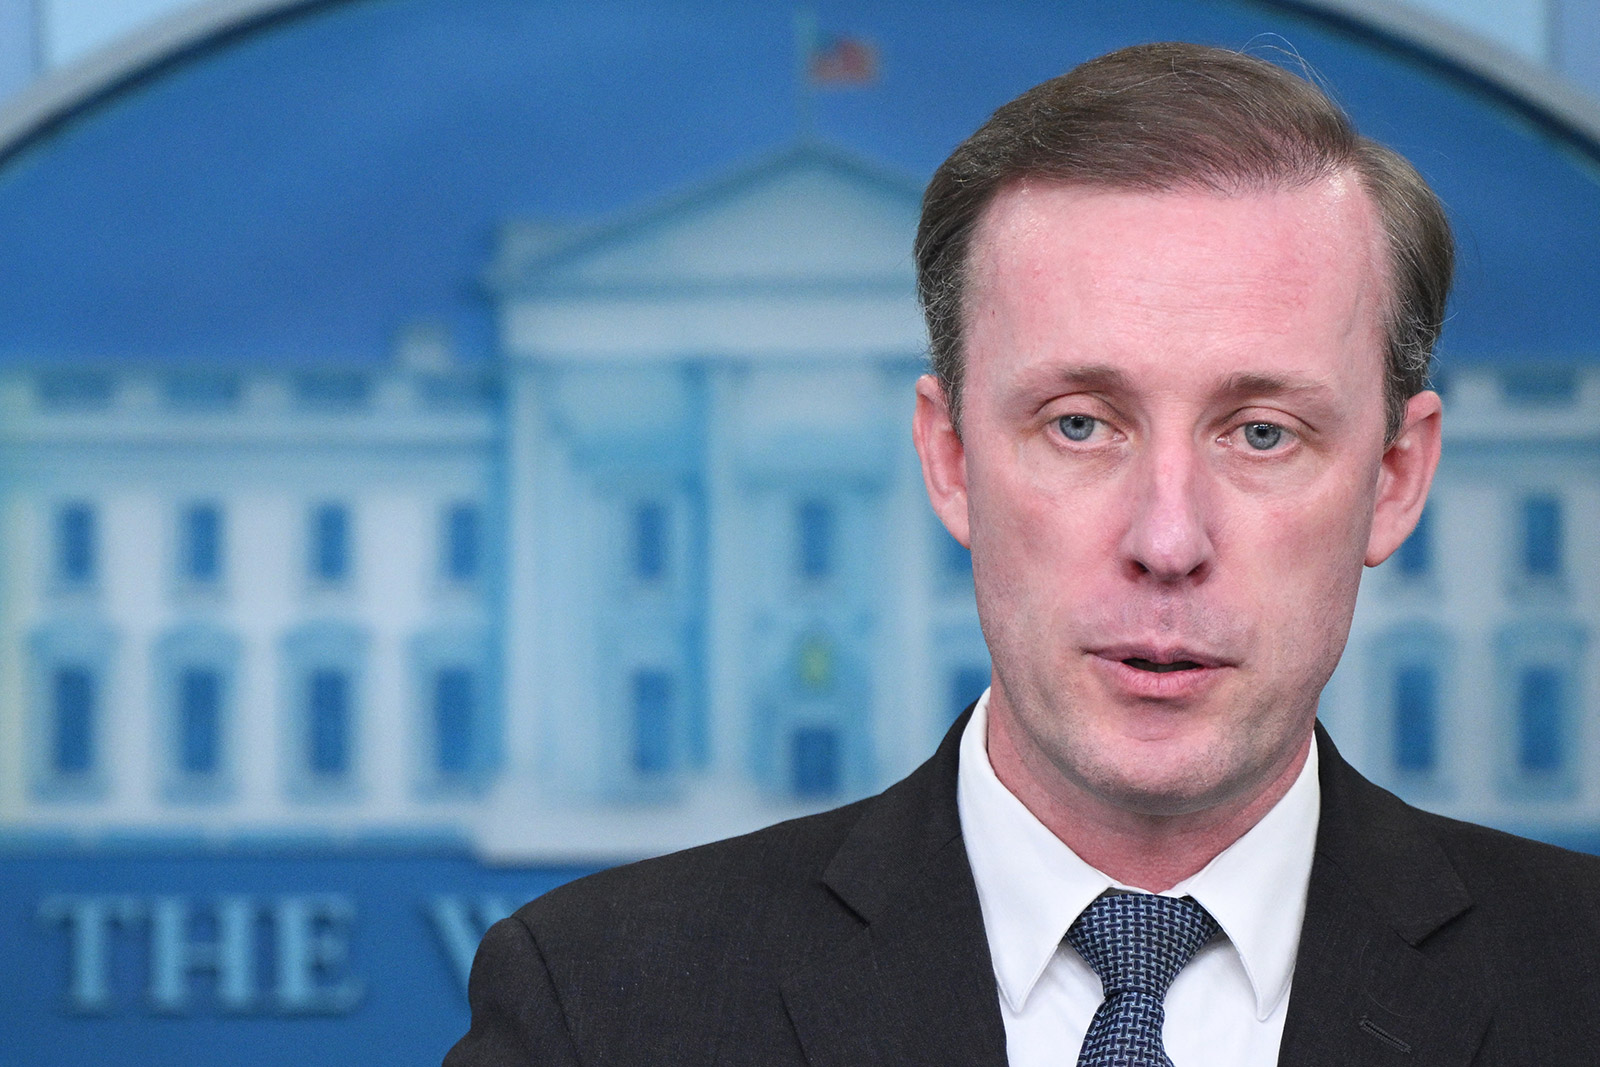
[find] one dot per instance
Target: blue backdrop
(292, 192)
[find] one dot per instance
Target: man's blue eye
(1077, 427)
(1263, 435)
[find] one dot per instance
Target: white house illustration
(727, 596)
(1470, 685)
(664, 571)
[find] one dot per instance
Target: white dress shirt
(1226, 1008)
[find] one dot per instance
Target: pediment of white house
(809, 216)
(807, 252)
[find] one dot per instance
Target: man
(1181, 318)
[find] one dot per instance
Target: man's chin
(1166, 779)
(1161, 799)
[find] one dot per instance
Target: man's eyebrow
(1247, 383)
(1105, 378)
(1087, 377)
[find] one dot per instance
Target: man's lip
(1159, 655)
(1128, 672)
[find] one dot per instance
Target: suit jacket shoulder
(849, 937)
(652, 960)
(1443, 941)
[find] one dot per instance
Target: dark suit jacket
(854, 937)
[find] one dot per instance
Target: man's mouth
(1161, 668)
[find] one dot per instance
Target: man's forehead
(1289, 243)
(1199, 288)
(1017, 221)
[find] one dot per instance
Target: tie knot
(1138, 942)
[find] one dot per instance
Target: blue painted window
(966, 685)
(455, 715)
(202, 543)
(815, 761)
(76, 546)
(1416, 718)
(200, 391)
(332, 390)
(328, 722)
(1542, 386)
(1541, 715)
(815, 519)
(650, 541)
(199, 721)
(1541, 536)
(652, 722)
(73, 699)
(330, 542)
(1415, 556)
(70, 390)
(463, 542)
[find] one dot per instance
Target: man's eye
(1263, 436)
(1077, 427)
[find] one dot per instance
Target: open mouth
(1161, 668)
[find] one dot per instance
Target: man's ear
(944, 457)
(1403, 480)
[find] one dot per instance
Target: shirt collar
(1032, 887)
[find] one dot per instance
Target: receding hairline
(1379, 250)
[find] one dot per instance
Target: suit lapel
(910, 979)
(1365, 990)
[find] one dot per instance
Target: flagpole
(805, 45)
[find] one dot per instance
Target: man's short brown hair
(1161, 117)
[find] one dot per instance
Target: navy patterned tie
(1137, 943)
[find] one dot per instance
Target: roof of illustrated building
(809, 216)
(804, 254)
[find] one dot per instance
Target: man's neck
(1151, 852)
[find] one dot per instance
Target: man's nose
(1168, 537)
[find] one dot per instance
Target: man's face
(1170, 471)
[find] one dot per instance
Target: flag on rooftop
(842, 61)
